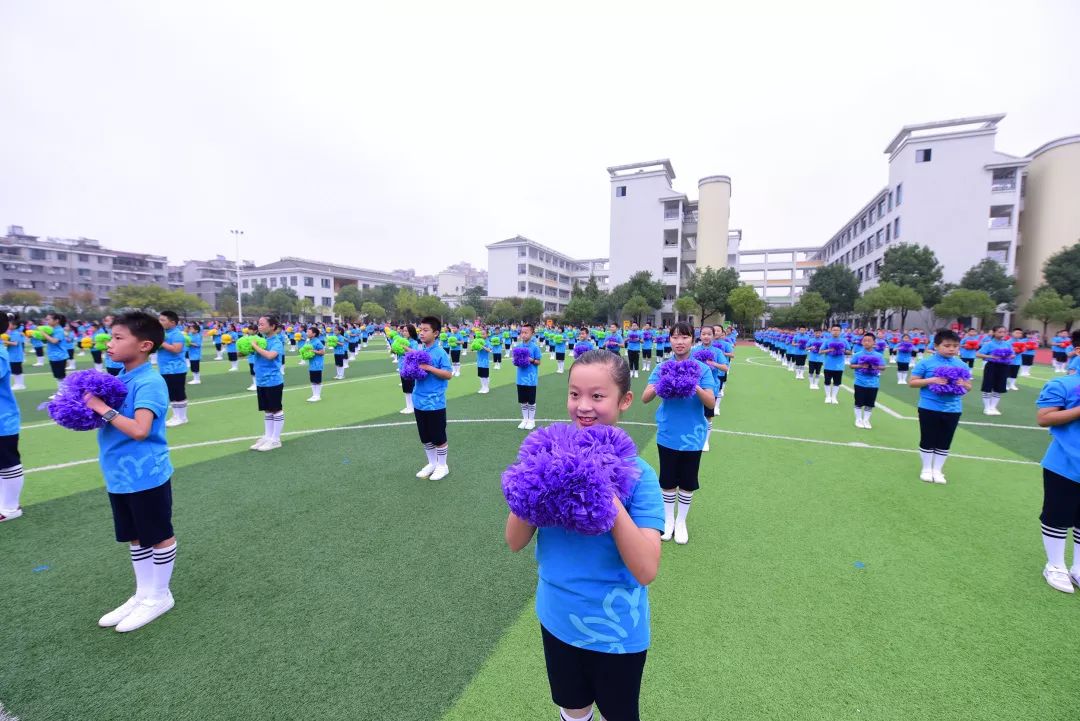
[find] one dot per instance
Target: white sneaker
(681, 535)
(993, 412)
(440, 473)
(174, 422)
(939, 478)
(521, 426)
(314, 399)
(118, 614)
(18, 388)
(859, 423)
(52, 396)
(233, 370)
(529, 425)
(145, 612)
(405, 411)
(1058, 578)
(828, 401)
(426, 471)
(258, 444)
(10, 515)
(668, 530)
(867, 426)
(1074, 575)
(194, 383)
(269, 445)
(926, 475)
(251, 387)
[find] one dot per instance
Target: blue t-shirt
(994, 344)
(9, 409)
(36, 342)
(15, 352)
(429, 393)
(268, 370)
(718, 357)
(128, 465)
(483, 356)
(316, 362)
(167, 361)
(231, 347)
(631, 343)
(1063, 454)
(833, 362)
(812, 356)
(194, 350)
(680, 422)
(928, 399)
(966, 352)
(55, 351)
(862, 376)
(528, 375)
(585, 595)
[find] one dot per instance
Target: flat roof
(665, 163)
(984, 121)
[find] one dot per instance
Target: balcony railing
(671, 214)
(998, 223)
(690, 217)
(1001, 186)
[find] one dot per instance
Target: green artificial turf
(823, 580)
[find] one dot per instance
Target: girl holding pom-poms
(483, 362)
(52, 332)
(835, 349)
(943, 379)
(194, 351)
(1019, 345)
(14, 343)
(867, 365)
(526, 356)
(11, 470)
(407, 340)
(229, 338)
(592, 596)
(998, 354)
(313, 351)
(633, 349)
(718, 366)
(684, 386)
(902, 355)
(269, 381)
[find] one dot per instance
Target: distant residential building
(56, 267)
(779, 275)
(206, 278)
(458, 278)
(524, 268)
(320, 282)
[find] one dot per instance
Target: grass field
(822, 580)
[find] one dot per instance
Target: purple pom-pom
(522, 357)
(633, 336)
(837, 347)
(880, 346)
(568, 477)
(69, 410)
(612, 342)
(904, 347)
(704, 355)
(581, 349)
(409, 366)
(648, 336)
(815, 347)
(1001, 355)
(952, 374)
(801, 344)
(677, 379)
(873, 363)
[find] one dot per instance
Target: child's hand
(962, 383)
(95, 404)
(938, 381)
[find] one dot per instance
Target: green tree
(1047, 306)
(709, 288)
(579, 310)
(590, 291)
(809, 310)
(502, 312)
(305, 308)
(77, 303)
(257, 296)
(916, 267)
(21, 299)
(139, 297)
(281, 302)
(837, 285)
(225, 301)
(372, 311)
(1062, 271)
(635, 308)
(782, 316)
(466, 313)
(746, 306)
(989, 275)
(345, 310)
(888, 297)
(640, 284)
(385, 296)
(350, 294)
(966, 303)
(431, 305)
(406, 302)
(684, 305)
(474, 297)
(531, 310)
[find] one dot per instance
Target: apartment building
(524, 268)
(320, 282)
(205, 278)
(57, 267)
(779, 275)
(458, 278)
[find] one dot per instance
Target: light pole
(239, 302)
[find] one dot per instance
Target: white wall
(502, 272)
(637, 226)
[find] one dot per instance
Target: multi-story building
(317, 281)
(524, 268)
(57, 267)
(598, 268)
(659, 229)
(206, 278)
(779, 275)
(458, 278)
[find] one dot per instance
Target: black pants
(1061, 501)
(431, 426)
(1027, 360)
(195, 365)
(408, 384)
(970, 362)
(455, 355)
(59, 369)
(936, 429)
(579, 677)
(833, 378)
(526, 395)
(799, 360)
(815, 368)
(635, 359)
(96, 355)
(865, 397)
(233, 356)
(174, 382)
(1014, 371)
(994, 377)
(679, 469)
(902, 366)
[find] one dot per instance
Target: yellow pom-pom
(86, 342)
(226, 339)
(4, 336)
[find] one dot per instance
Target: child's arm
(267, 354)
(916, 382)
(649, 393)
(707, 396)
(174, 347)
(1056, 416)
(518, 532)
(638, 547)
(437, 372)
(137, 428)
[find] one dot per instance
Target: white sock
(927, 459)
(441, 454)
(1076, 551)
(314, 390)
(180, 410)
(164, 559)
(234, 364)
(429, 451)
(532, 412)
(684, 505)
(408, 401)
(484, 383)
(524, 411)
(98, 366)
(562, 363)
(268, 425)
(318, 390)
(564, 716)
(986, 402)
(669, 508)
(995, 398)
(195, 376)
(18, 380)
(457, 368)
(1054, 543)
(279, 425)
(866, 414)
(940, 457)
(11, 484)
(858, 415)
(142, 560)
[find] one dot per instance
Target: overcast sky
(413, 138)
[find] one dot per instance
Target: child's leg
(11, 485)
(927, 440)
(945, 429)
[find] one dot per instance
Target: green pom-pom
(453, 341)
(307, 352)
(243, 345)
(331, 341)
(477, 344)
(187, 339)
(601, 335)
(400, 346)
(101, 341)
(392, 334)
(442, 336)
(506, 334)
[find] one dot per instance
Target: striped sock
(669, 508)
(268, 425)
(532, 411)
(279, 425)
(11, 484)
(564, 716)
(142, 562)
(524, 411)
(927, 459)
(684, 504)
(441, 454)
(164, 558)
(1054, 543)
(429, 450)
(940, 457)
(180, 410)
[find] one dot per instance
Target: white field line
(396, 424)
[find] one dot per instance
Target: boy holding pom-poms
(134, 459)
(314, 351)
(195, 344)
(1059, 410)
(483, 362)
(266, 350)
(11, 470)
(171, 366)
(943, 378)
(592, 597)
(14, 343)
(527, 357)
(429, 401)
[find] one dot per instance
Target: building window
(245, 283)
(327, 301)
(83, 258)
(102, 260)
(292, 280)
(881, 209)
(890, 201)
(1001, 216)
(899, 194)
(521, 269)
(61, 255)
(522, 252)
(283, 280)
(922, 155)
(880, 239)
(273, 282)
(38, 254)
(309, 281)
(896, 228)
(888, 232)
(324, 282)
(620, 191)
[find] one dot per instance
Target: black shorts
(217, 346)
(901, 366)
(408, 384)
(251, 369)
(527, 394)
(314, 377)
(1027, 360)
(16, 368)
(96, 355)
(9, 451)
(834, 378)
(59, 369)
(143, 516)
(1059, 356)
(482, 372)
(679, 469)
(815, 367)
(646, 352)
(175, 383)
(1061, 501)
(233, 356)
(40, 351)
(339, 360)
(1014, 371)
(71, 353)
(560, 356)
(352, 347)
(936, 429)
(580, 677)
(497, 357)
(195, 365)
(270, 397)
(865, 397)
(710, 412)
(994, 377)
(432, 426)
(970, 362)
(800, 360)
(455, 355)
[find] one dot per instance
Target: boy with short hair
(134, 459)
(11, 470)
(939, 413)
(528, 377)
(172, 367)
(429, 401)
(1059, 410)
